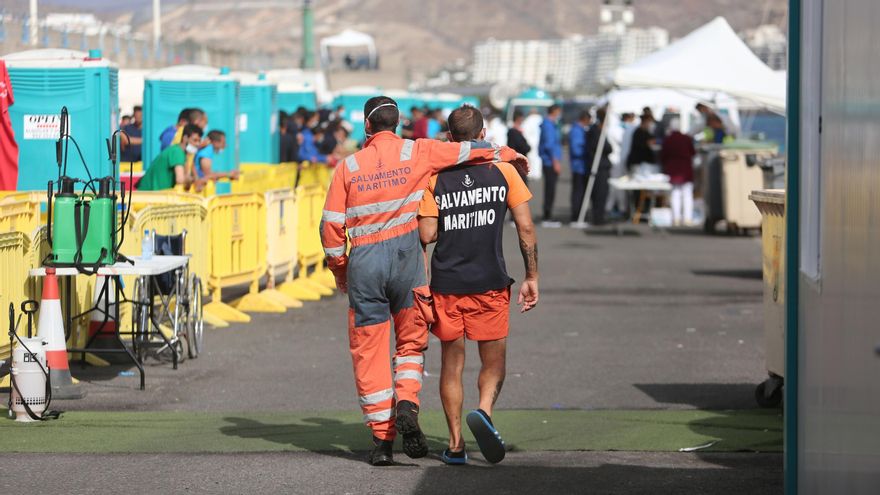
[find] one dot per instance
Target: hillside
(413, 36)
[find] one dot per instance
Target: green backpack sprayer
(82, 226)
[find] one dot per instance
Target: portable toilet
(258, 134)
(444, 101)
(300, 88)
(353, 99)
(43, 81)
(469, 100)
(406, 100)
(168, 91)
(528, 100)
(294, 95)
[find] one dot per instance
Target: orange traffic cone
(51, 330)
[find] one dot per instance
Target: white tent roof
(712, 58)
(348, 38)
(662, 100)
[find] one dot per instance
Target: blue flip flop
(488, 438)
(454, 458)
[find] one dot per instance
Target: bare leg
(451, 389)
(493, 357)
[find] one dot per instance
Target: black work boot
(415, 444)
(382, 454)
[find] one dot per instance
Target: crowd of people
(321, 136)
(187, 153)
(637, 148)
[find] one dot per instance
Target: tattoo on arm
(530, 256)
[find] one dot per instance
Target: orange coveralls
(374, 196)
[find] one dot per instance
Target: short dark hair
(137, 108)
(382, 119)
(554, 107)
(190, 129)
(215, 135)
(465, 123)
(600, 114)
(184, 114)
(584, 115)
(518, 114)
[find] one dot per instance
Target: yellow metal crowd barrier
(237, 240)
(170, 214)
(285, 174)
(125, 168)
(310, 251)
(281, 247)
(20, 212)
(315, 174)
(14, 248)
(233, 239)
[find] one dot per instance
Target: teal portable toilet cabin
(258, 135)
(406, 101)
(353, 99)
(292, 96)
(43, 81)
(470, 100)
(298, 88)
(528, 100)
(449, 101)
(170, 90)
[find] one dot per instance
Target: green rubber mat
(525, 430)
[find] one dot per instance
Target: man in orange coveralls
(374, 196)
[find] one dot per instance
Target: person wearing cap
(373, 200)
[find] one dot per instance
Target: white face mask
(192, 149)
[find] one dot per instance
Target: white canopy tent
(711, 58)
(348, 39)
(662, 100)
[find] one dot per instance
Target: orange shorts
(483, 316)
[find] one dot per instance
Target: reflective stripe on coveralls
(374, 199)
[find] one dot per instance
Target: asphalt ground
(647, 320)
(645, 323)
(344, 473)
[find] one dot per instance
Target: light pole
(34, 26)
(308, 43)
(157, 24)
